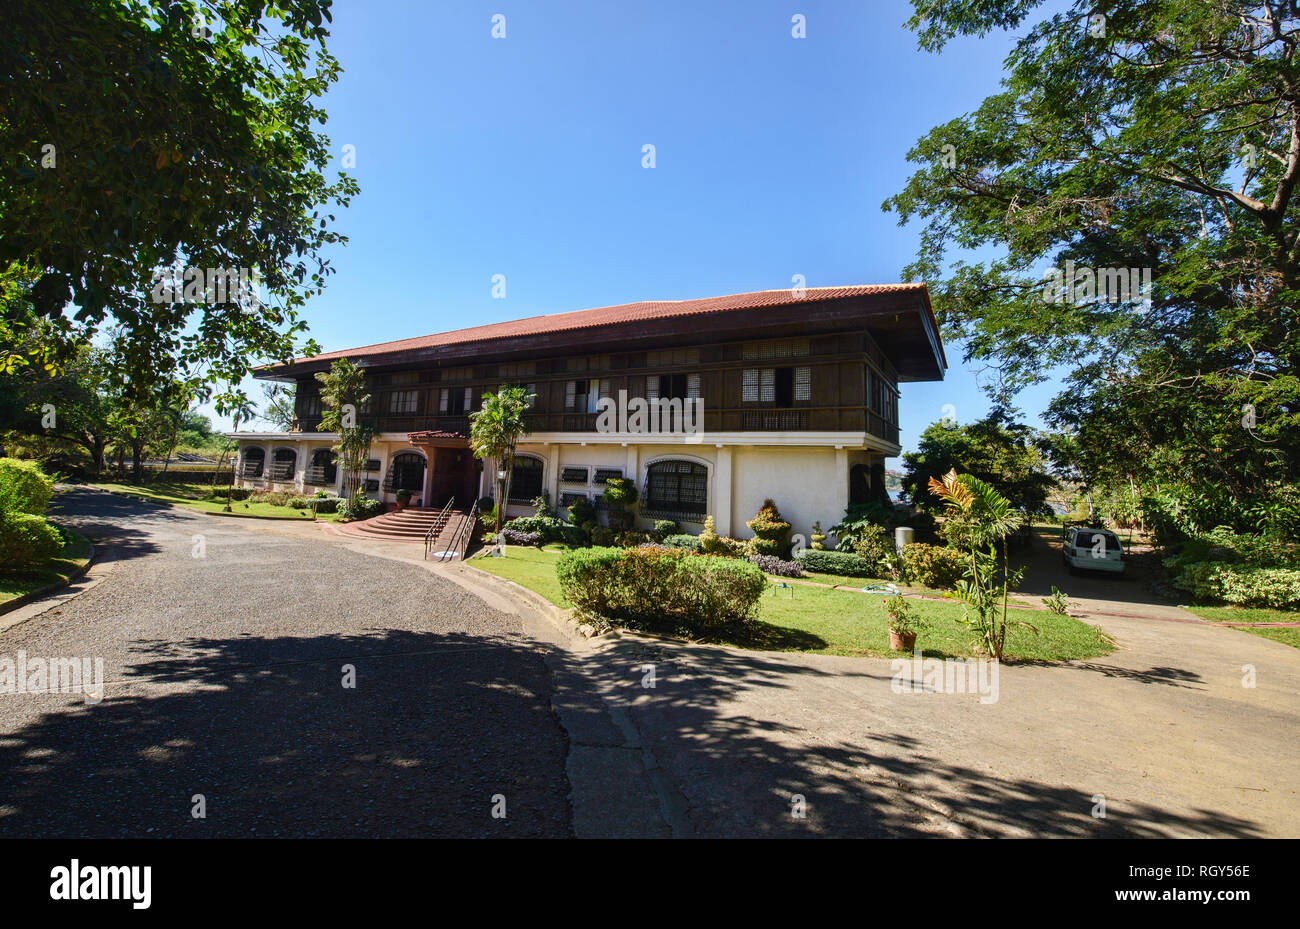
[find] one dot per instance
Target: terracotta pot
(901, 641)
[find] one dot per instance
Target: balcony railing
(715, 419)
(775, 420)
(282, 471)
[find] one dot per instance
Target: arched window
(283, 463)
(324, 468)
(677, 488)
(859, 484)
(526, 479)
(406, 472)
(254, 461)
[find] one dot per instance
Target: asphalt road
(226, 653)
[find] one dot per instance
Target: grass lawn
(842, 622)
(75, 554)
(195, 496)
(1242, 614)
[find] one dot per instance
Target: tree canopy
(144, 135)
(1153, 135)
(1003, 454)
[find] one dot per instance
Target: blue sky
(522, 156)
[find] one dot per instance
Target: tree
(1153, 135)
(278, 402)
(495, 429)
(72, 405)
(343, 394)
(141, 136)
(979, 519)
(996, 450)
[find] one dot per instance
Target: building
(797, 394)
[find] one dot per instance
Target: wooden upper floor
(829, 364)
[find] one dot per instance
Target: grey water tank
(902, 536)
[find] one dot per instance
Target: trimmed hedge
(1278, 588)
(661, 589)
(845, 563)
(683, 540)
(24, 487)
(935, 566)
(27, 540)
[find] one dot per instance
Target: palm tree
(494, 431)
(343, 393)
(979, 519)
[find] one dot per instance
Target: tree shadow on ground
(740, 776)
(264, 729)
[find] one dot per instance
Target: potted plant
(403, 498)
(904, 622)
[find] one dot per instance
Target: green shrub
(327, 504)
(873, 543)
(602, 536)
(632, 538)
(845, 563)
(360, 507)
(771, 532)
(817, 537)
(576, 537)
(664, 528)
(541, 504)
(298, 503)
(620, 494)
(582, 512)
(273, 497)
(24, 487)
(660, 589)
(710, 543)
(682, 540)
(858, 518)
(1242, 585)
(548, 527)
(27, 539)
(935, 566)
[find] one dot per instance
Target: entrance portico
(453, 472)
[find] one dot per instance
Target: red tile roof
(624, 313)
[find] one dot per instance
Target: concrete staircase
(410, 525)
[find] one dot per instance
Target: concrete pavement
(1161, 735)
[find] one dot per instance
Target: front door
(449, 468)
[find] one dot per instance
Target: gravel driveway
(226, 653)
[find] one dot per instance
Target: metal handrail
(436, 526)
(456, 550)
